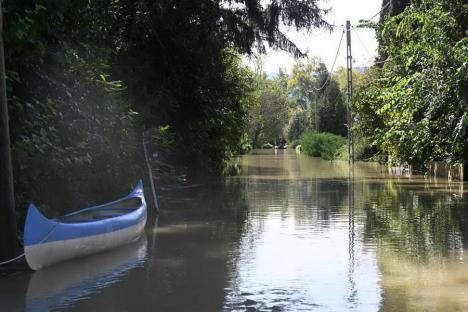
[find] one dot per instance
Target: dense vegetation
(413, 106)
(286, 106)
(85, 78)
(325, 145)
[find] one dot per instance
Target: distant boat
(84, 232)
(281, 146)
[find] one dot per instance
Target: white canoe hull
(45, 254)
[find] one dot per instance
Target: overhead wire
(334, 63)
(361, 42)
(381, 10)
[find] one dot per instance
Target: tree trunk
(8, 237)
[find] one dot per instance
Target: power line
(333, 66)
(361, 42)
(381, 10)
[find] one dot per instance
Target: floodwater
(290, 233)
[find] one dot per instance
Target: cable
(42, 240)
(333, 66)
(362, 43)
(381, 10)
(12, 260)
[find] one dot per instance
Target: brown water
(290, 233)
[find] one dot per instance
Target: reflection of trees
(420, 223)
(419, 229)
(411, 286)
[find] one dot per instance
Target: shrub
(295, 143)
(325, 145)
(364, 150)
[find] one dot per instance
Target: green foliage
(244, 145)
(363, 151)
(297, 125)
(325, 145)
(312, 89)
(295, 143)
(268, 114)
(332, 110)
(72, 135)
(85, 78)
(414, 107)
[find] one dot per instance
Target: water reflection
(290, 233)
(298, 251)
(63, 285)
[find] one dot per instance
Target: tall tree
(8, 238)
(332, 110)
(393, 7)
(415, 107)
(390, 8)
(173, 62)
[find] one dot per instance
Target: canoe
(84, 232)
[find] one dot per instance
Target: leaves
(414, 106)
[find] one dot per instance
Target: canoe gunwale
(40, 230)
(136, 193)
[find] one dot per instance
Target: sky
(323, 44)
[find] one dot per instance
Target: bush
(295, 143)
(325, 145)
(364, 150)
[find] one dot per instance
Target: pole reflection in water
(297, 251)
(352, 299)
(290, 233)
(62, 285)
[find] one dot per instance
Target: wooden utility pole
(349, 93)
(8, 239)
(150, 172)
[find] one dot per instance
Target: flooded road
(290, 233)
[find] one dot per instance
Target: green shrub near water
(325, 145)
(294, 143)
(364, 150)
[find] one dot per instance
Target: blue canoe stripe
(67, 231)
(39, 229)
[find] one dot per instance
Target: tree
(332, 110)
(84, 78)
(297, 125)
(268, 115)
(172, 60)
(392, 8)
(415, 109)
(301, 83)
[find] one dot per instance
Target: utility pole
(349, 93)
(8, 239)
